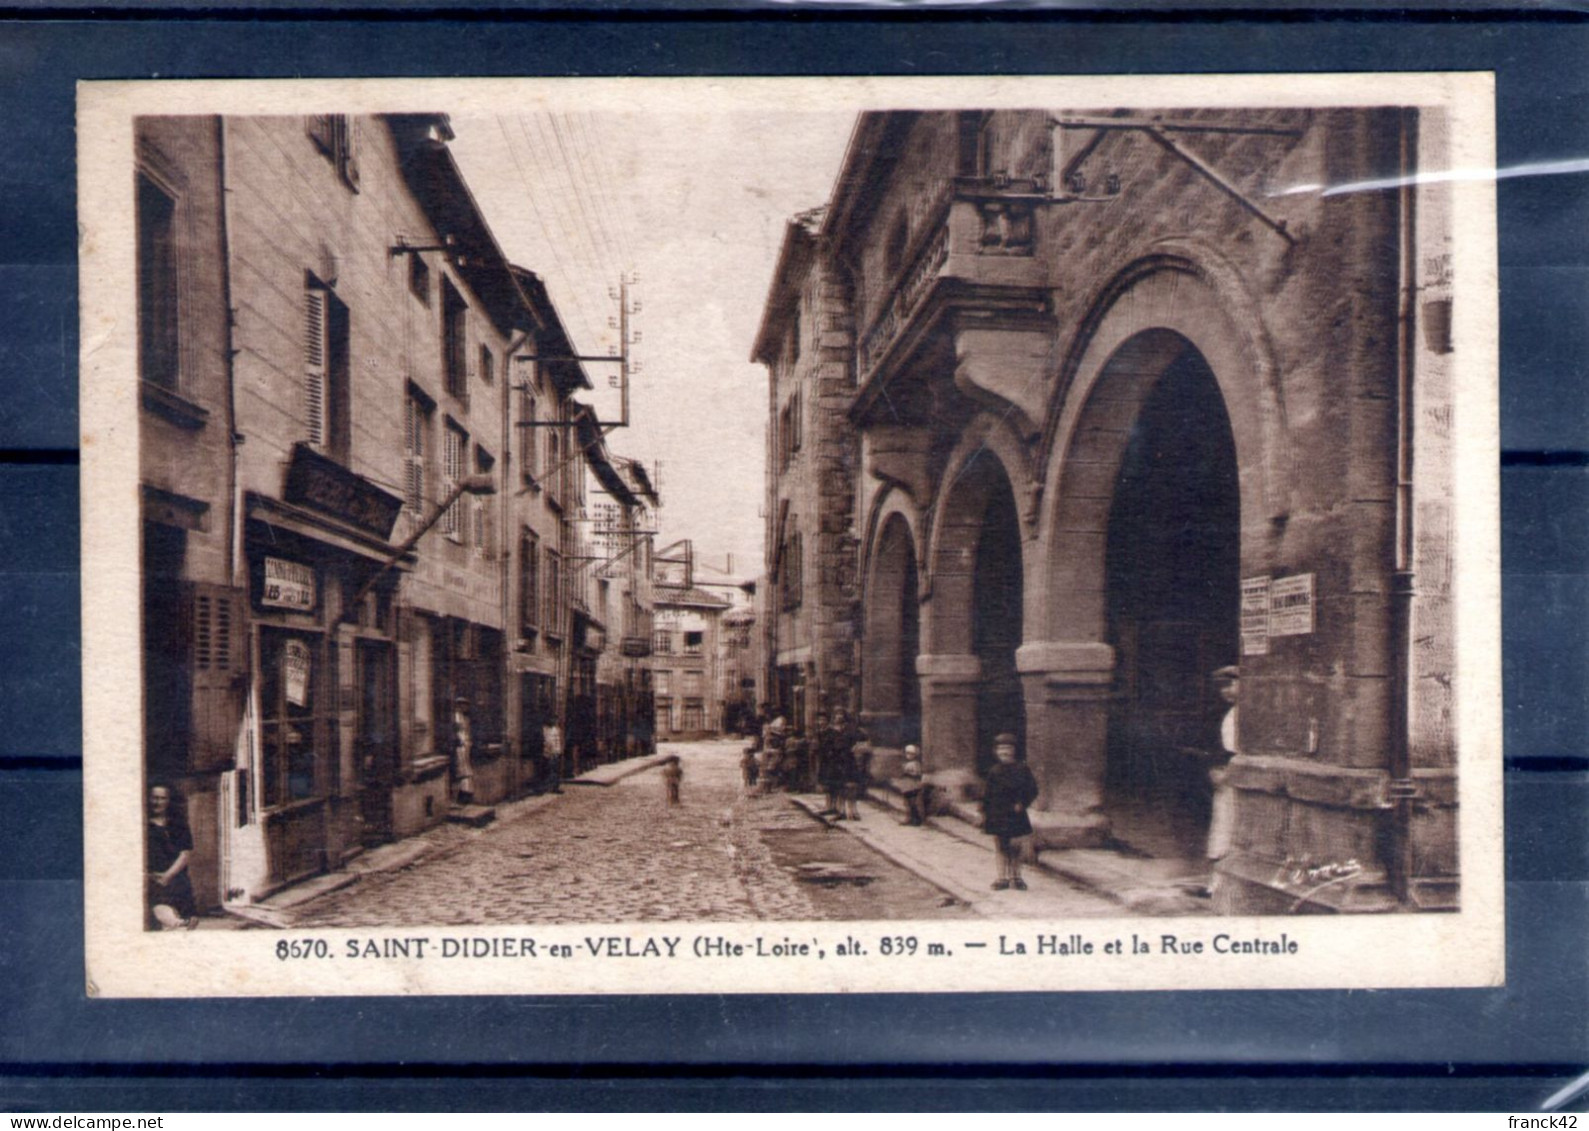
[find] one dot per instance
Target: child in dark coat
(1009, 789)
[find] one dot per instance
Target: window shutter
(414, 430)
(217, 646)
(314, 386)
(453, 457)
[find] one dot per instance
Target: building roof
(874, 144)
(589, 436)
(553, 345)
(794, 260)
(438, 185)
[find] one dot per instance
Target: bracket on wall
(1159, 133)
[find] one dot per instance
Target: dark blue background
(1503, 1049)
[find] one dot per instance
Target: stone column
(1066, 685)
(949, 719)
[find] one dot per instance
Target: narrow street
(619, 853)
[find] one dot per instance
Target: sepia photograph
(551, 536)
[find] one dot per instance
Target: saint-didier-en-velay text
(717, 947)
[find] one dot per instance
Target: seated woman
(169, 847)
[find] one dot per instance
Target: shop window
(418, 419)
(336, 136)
(664, 713)
(327, 397)
(694, 716)
(529, 581)
(456, 442)
(298, 720)
(455, 340)
(157, 286)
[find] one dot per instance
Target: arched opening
(1172, 593)
(890, 690)
(996, 621)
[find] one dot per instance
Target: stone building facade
(326, 335)
(1136, 400)
(807, 343)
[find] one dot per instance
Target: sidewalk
(952, 853)
(435, 843)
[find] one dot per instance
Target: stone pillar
(1066, 685)
(949, 719)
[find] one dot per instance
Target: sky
(693, 206)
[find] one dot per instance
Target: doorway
(1172, 570)
(375, 739)
(996, 621)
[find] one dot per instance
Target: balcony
(971, 266)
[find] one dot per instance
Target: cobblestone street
(619, 853)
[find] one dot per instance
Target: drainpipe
(505, 539)
(1402, 790)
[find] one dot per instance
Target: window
(794, 336)
(791, 561)
(454, 340)
(663, 683)
(553, 478)
(692, 683)
(483, 532)
(692, 643)
(527, 437)
(419, 277)
(529, 581)
(457, 443)
(662, 642)
(789, 429)
(552, 619)
(418, 413)
(157, 286)
(336, 136)
(488, 365)
(327, 399)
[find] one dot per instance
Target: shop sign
(1291, 605)
(636, 647)
(288, 585)
(326, 486)
(295, 671)
(1255, 616)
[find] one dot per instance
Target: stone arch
(1142, 323)
(891, 629)
(973, 617)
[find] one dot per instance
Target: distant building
(812, 593)
(686, 660)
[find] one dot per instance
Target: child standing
(672, 778)
(1010, 788)
(912, 786)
